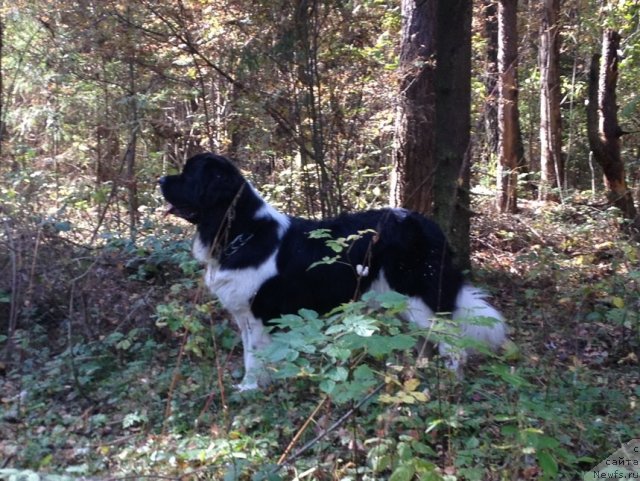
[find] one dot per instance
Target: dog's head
(208, 183)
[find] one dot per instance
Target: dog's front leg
(254, 337)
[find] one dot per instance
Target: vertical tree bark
(306, 26)
(508, 115)
(551, 160)
(1, 80)
(490, 73)
(414, 143)
(603, 129)
(453, 114)
(130, 155)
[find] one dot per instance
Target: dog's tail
(478, 319)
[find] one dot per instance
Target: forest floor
(120, 366)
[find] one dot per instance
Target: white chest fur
(234, 287)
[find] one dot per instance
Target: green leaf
(325, 260)
(404, 472)
(320, 234)
(327, 386)
(404, 451)
(548, 464)
(544, 442)
(422, 448)
(338, 374)
(379, 458)
(392, 300)
(336, 352)
(363, 373)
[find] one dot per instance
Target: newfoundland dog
(260, 262)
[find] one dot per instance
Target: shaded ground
(119, 365)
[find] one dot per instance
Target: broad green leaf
(404, 472)
(548, 464)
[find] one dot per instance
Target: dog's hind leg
(471, 304)
(476, 318)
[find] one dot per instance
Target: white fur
(236, 289)
(470, 303)
(254, 338)
(380, 284)
(400, 212)
(201, 251)
(270, 212)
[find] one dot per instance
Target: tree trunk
(2, 113)
(551, 160)
(508, 116)
(130, 155)
(306, 26)
(603, 129)
(414, 143)
(490, 73)
(453, 113)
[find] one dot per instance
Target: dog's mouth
(182, 212)
(170, 209)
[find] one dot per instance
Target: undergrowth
(118, 365)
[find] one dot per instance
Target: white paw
(246, 385)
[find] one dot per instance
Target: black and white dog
(258, 259)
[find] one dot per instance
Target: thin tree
(414, 143)
(133, 114)
(508, 115)
(489, 19)
(603, 129)
(551, 159)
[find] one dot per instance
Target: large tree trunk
(508, 116)
(603, 129)
(453, 113)
(414, 149)
(551, 160)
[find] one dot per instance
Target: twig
(13, 306)
(301, 430)
(219, 377)
(174, 382)
(319, 437)
(74, 367)
(114, 187)
(533, 231)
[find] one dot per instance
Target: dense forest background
(116, 364)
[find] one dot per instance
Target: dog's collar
(237, 243)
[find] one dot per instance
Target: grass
(121, 366)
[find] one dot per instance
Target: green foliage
(336, 351)
(114, 361)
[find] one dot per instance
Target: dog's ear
(220, 181)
